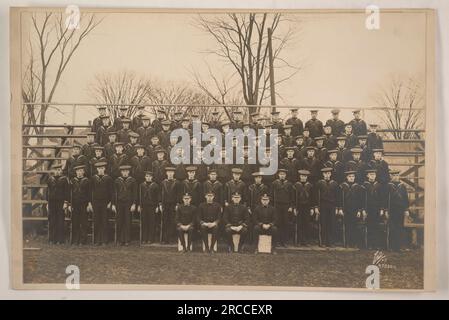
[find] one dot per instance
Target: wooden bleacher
(408, 155)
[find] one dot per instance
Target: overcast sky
(343, 63)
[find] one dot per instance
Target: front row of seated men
(368, 214)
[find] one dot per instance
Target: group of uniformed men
(332, 186)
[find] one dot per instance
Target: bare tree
(182, 97)
(222, 91)
(243, 42)
(122, 88)
(402, 101)
(129, 88)
(52, 45)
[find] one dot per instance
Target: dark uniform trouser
(56, 221)
(303, 221)
(168, 222)
(100, 221)
(374, 229)
(230, 232)
(272, 231)
(204, 235)
(284, 224)
(185, 246)
(327, 222)
(148, 223)
(396, 231)
(124, 222)
(79, 222)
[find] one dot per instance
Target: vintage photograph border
(16, 248)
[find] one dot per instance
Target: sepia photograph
(223, 149)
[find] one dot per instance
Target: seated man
(236, 219)
(185, 221)
(209, 214)
(265, 219)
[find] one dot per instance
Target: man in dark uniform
(248, 167)
(291, 164)
(237, 122)
(140, 163)
(164, 135)
(304, 208)
(186, 216)
(118, 122)
(308, 141)
(124, 132)
(320, 151)
(295, 122)
(311, 164)
(283, 199)
(357, 165)
(98, 151)
(254, 122)
(287, 138)
(330, 140)
(327, 195)
(265, 221)
(351, 138)
(87, 149)
(214, 186)
(145, 132)
(209, 216)
(159, 165)
(76, 159)
(300, 148)
(79, 197)
(398, 204)
(374, 201)
(103, 131)
(57, 191)
(98, 122)
(343, 153)
(170, 195)
(157, 123)
(185, 124)
(314, 125)
(350, 209)
(149, 208)
(366, 154)
(102, 187)
(154, 145)
(235, 185)
(130, 147)
(118, 159)
(192, 186)
(335, 123)
(374, 140)
(337, 166)
(256, 190)
(381, 166)
(276, 122)
(124, 204)
(177, 120)
(236, 220)
(358, 125)
(109, 148)
(136, 122)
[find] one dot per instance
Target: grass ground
(152, 265)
